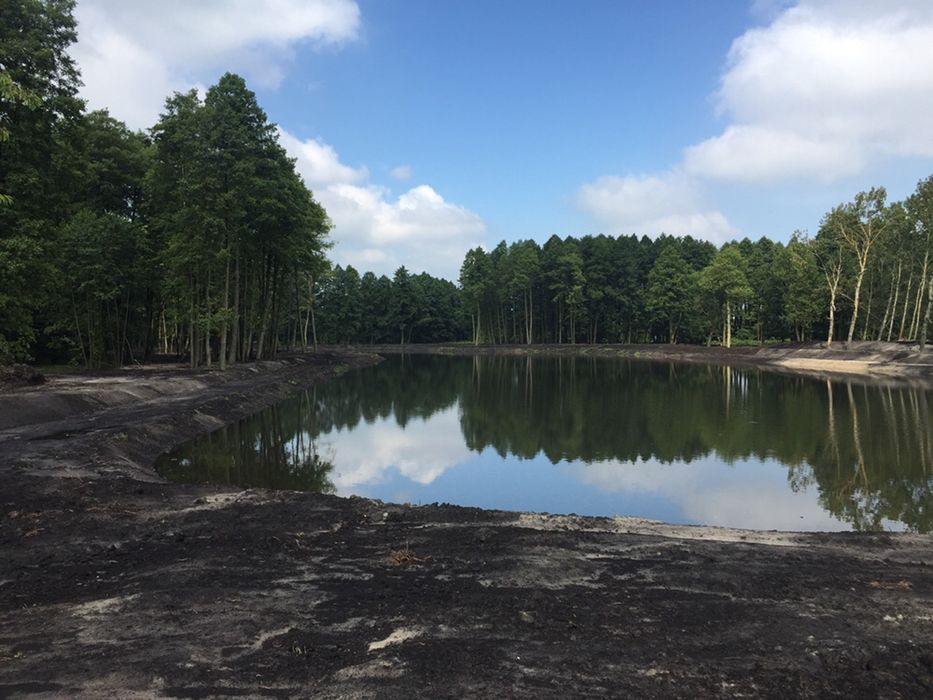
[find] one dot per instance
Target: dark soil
(116, 584)
(15, 376)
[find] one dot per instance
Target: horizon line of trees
(199, 239)
(866, 275)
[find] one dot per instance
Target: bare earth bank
(114, 583)
(893, 362)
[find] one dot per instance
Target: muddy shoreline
(114, 583)
(891, 363)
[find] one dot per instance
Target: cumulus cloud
(133, 54)
(763, 153)
(318, 162)
(651, 205)
(824, 91)
(374, 230)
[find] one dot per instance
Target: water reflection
(707, 443)
(274, 449)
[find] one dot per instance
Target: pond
(593, 436)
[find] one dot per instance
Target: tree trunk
(192, 332)
(887, 311)
(926, 316)
(855, 301)
(531, 317)
(84, 356)
(728, 323)
(833, 292)
(223, 318)
(266, 318)
(276, 313)
(313, 323)
(207, 320)
(918, 304)
(871, 295)
(900, 330)
(235, 331)
(560, 323)
(897, 292)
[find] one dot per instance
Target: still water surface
(594, 436)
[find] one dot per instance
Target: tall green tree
(404, 309)
(802, 285)
(725, 279)
(474, 281)
(524, 270)
(671, 289)
(39, 113)
(566, 282)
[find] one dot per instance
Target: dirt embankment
(116, 584)
(897, 362)
(119, 422)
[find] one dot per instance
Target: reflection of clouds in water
(422, 451)
(745, 495)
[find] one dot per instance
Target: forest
(198, 238)
(865, 275)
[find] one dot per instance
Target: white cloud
(761, 154)
(823, 92)
(318, 162)
(135, 53)
(826, 90)
(748, 495)
(374, 230)
(651, 205)
(402, 172)
(421, 452)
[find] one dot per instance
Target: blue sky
(429, 127)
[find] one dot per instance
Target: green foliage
(802, 291)
(671, 289)
(39, 110)
(105, 256)
(725, 281)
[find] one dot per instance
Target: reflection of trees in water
(876, 460)
(405, 386)
(272, 449)
(867, 449)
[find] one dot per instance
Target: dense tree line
(404, 309)
(865, 275)
(197, 238)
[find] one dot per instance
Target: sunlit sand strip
(842, 366)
